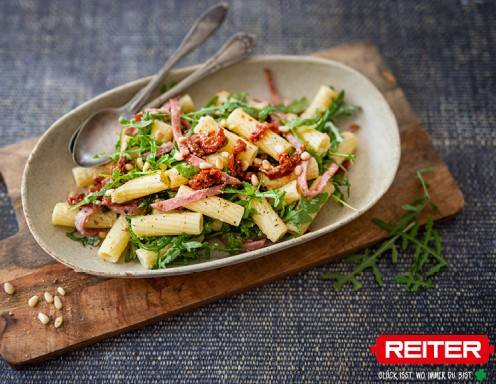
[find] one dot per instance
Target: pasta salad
(233, 176)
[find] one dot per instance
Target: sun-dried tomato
(74, 199)
(206, 178)
(286, 165)
(235, 165)
(203, 145)
(137, 117)
(98, 183)
(260, 130)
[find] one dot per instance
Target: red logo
(432, 349)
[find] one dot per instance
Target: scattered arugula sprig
(405, 234)
(85, 240)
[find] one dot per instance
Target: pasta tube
(346, 147)
(166, 224)
(322, 101)
(271, 143)
(175, 179)
(84, 176)
(319, 142)
(147, 258)
(215, 207)
(206, 123)
(268, 220)
(115, 242)
(186, 103)
(312, 173)
(300, 230)
(161, 132)
(141, 186)
(63, 214)
(291, 192)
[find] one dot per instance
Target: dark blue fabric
(56, 54)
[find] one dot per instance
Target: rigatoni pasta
(238, 174)
(116, 241)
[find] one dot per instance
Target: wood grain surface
(96, 308)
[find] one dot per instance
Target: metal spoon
(107, 119)
(94, 140)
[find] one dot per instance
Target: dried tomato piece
(203, 145)
(206, 178)
(286, 165)
(74, 199)
(235, 165)
(261, 129)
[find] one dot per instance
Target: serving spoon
(106, 120)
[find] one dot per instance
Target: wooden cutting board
(96, 308)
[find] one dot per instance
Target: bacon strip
(181, 201)
(274, 92)
(251, 245)
(82, 217)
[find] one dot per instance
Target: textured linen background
(56, 54)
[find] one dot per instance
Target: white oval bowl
(48, 178)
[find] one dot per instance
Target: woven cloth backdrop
(56, 54)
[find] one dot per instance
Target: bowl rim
(229, 260)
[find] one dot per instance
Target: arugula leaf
(427, 260)
(249, 192)
(85, 240)
(302, 212)
(186, 170)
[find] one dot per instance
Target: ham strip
(164, 148)
(82, 217)
(177, 202)
(294, 142)
(321, 183)
(131, 208)
(251, 245)
(274, 93)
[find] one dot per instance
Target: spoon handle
(203, 27)
(239, 47)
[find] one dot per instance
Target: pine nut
(109, 192)
(298, 170)
(178, 156)
(58, 321)
(33, 302)
(146, 166)
(57, 302)
(205, 165)
(139, 163)
(254, 180)
(305, 156)
(283, 128)
(61, 291)
(43, 318)
(219, 163)
(278, 148)
(102, 234)
(48, 297)
(266, 165)
(128, 166)
(225, 154)
(223, 123)
(8, 288)
(257, 162)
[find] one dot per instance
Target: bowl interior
(48, 177)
